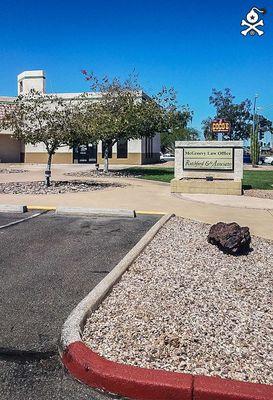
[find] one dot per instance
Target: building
(134, 152)
(11, 150)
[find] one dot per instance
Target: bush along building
(134, 152)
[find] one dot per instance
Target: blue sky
(193, 46)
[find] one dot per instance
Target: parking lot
(48, 264)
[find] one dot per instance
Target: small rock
(230, 238)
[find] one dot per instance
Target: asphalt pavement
(47, 265)
(7, 218)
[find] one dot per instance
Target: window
(151, 147)
(21, 86)
(122, 148)
(103, 150)
(148, 147)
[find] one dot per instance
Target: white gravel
(184, 306)
(12, 171)
(111, 174)
(56, 187)
(263, 194)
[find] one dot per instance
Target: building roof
(69, 96)
(4, 102)
(37, 73)
(7, 99)
(90, 95)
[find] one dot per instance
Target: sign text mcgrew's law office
(208, 159)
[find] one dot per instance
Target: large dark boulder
(230, 238)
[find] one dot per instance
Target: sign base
(216, 186)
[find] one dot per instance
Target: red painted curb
(213, 388)
(125, 380)
(150, 384)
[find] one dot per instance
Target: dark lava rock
(230, 238)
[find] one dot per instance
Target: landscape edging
(135, 382)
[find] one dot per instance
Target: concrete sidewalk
(152, 196)
(229, 201)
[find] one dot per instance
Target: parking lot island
(211, 167)
(174, 356)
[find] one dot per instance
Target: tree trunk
(48, 169)
(106, 158)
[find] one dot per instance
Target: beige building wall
(134, 154)
(132, 159)
(137, 155)
(37, 154)
(139, 152)
(11, 150)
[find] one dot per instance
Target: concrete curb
(13, 208)
(97, 212)
(44, 208)
(125, 380)
(134, 382)
(214, 388)
(151, 384)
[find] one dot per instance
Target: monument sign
(208, 167)
(208, 158)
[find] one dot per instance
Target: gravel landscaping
(263, 194)
(12, 171)
(56, 187)
(185, 306)
(100, 173)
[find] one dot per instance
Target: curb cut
(97, 212)
(135, 382)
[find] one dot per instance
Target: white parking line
(22, 220)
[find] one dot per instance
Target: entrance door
(85, 154)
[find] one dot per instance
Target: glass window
(148, 147)
(122, 148)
